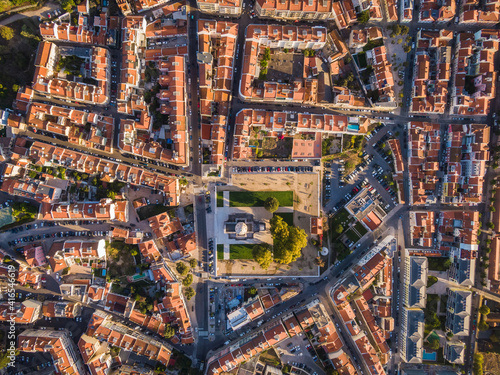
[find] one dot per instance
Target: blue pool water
(429, 356)
(354, 128)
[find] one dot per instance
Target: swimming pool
(429, 356)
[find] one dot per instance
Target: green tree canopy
(6, 32)
(271, 204)
(189, 293)
(339, 228)
(192, 262)
(169, 331)
(484, 310)
(263, 255)
(182, 268)
(483, 326)
(188, 280)
(288, 241)
(68, 5)
(364, 17)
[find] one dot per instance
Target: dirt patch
(491, 363)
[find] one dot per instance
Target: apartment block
(466, 156)
(458, 312)
(216, 61)
(424, 145)
(436, 11)
(262, 38)
(231, 8)
(248, 347)
(54, 84)
(415, 278)
(77, 127)
(412, 335)
(475, 74)
(281, 124)
(474, 11)
(58, 344)
(295, 9)
(44, 154)
(432, 71)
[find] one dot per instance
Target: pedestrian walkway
(226, 198)
(227, 255)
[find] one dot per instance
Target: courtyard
(298, 195)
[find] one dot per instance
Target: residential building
(216, 59)
(258, 38)
(475, 74)
(458, 311)
(230, 8)
(295, 9)
(47, 79)
(415, 276)
(281, 124)
(412, 335)
(432, 71)
(454, 352)
(104, 329)
(58, 344)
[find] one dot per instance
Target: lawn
(220, 199)
(360, 229)
(151, 210)
(437, 264)
(286, 216)
(257, 198)
(240, 251)
(220, 251)
(352, 235)
(342, 218)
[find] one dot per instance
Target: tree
(263, 255)
(192, 262)
(331, 371)
(447, 263)
(271, 204)
(339, 228)
(483, 326)
(319, 261)
(434, 344)
(68, 5)
(478, 364)
(252, 291)
(484, 310)
(188, 280)
(288, 241)
(189, 293)
(6, 32)
(169, 332)
(364, 17)
(182, 268)
(133, 252)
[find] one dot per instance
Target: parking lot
(298, 352)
